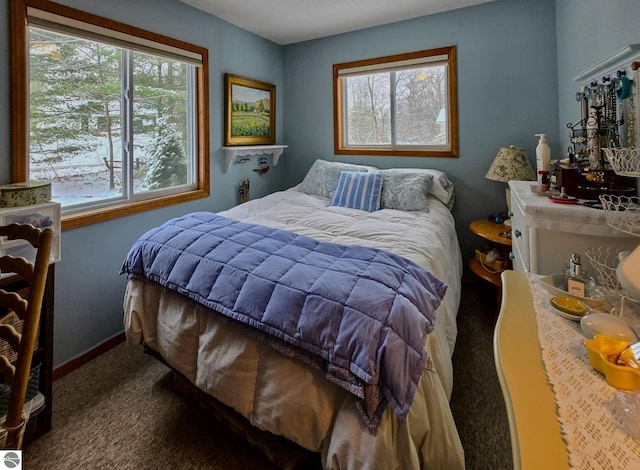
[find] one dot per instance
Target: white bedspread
(285, 397)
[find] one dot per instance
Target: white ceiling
(290, 21)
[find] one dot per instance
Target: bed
(282, 394)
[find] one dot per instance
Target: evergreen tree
(74, 95)
(76, 92)
(168, 166)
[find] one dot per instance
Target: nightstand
(499, 237)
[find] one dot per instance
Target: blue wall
(588, 32)
(507, 93)
(515, 63)
(89, 292)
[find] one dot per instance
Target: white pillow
(441, 188)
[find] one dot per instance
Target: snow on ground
(81, 185)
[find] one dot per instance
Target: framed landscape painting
(250, 112)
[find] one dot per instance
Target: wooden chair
(26, 304)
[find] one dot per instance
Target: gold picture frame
(250, 111)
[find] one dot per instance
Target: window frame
(20, 111)
(388, 62)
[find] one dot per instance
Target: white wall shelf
(609, 66)
(230, 153)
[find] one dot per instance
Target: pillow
(406, 191)
(441, 187)
(358, 190)
(322, 177)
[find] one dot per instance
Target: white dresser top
(540, 212)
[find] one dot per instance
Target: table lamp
(511, 163)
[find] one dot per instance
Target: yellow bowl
(569, 305)
(603, 352)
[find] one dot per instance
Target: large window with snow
(115, 115)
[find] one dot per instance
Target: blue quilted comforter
(358, 310)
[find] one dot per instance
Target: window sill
(94, 216)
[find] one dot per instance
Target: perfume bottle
(575, 277)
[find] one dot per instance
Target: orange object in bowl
(603, 353)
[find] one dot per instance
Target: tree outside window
(76, 137)
(398, 105)
(114, 116)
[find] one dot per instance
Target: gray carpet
(121, 412)
(476, 402)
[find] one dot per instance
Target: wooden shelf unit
(490, 231)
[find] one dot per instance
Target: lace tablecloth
(594, 433)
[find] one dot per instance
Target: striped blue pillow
(358, 190)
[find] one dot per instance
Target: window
(114, 116)
(404, 104)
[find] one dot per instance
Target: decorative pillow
(441, 187)
(406, 191)
(358, 190)
(322, 177)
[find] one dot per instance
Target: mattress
(283, 396)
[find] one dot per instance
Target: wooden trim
(338, 117)
(453, 101)
(395, 152)
(79, 361)
(452, 111)
(80, 15)
(19, 93)
(20, 112)
(94, 216)
(202, 104)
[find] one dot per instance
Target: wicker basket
(32, 390)
(5, 349)
(622, 212)
(624, 161)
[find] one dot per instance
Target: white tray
(554, 285)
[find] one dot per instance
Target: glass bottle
(576, 280)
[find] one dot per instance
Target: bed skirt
(284, 397)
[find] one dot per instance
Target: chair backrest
(26, 303)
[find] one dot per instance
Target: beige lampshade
(628, 273)
(511, 163)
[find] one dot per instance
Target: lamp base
(507, 222)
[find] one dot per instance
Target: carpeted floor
(476, 402)
(121, 412)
